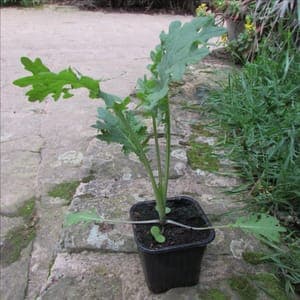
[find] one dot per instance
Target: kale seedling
(184, 44)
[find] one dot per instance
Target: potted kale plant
(171, 233)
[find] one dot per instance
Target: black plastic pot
(173, 266)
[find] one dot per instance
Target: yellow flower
(201, 10)
(224, 39)
(249, 26)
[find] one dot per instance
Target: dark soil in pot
(183, 211)
(177, 262)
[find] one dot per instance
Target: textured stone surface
(89, 288)
(14, 278)
(44, 248)
(124, 270)
(8, 223)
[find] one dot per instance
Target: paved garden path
(44, 144)
(48, 151)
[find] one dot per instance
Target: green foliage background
(258, 110)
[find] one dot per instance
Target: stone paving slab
(14, 286)
(124, 273)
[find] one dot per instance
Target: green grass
(258, 109)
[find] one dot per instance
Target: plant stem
(157, 151)
(161, 202)
(168, 151)
(143, 158)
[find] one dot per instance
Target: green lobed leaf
(45, 83)
(152, 94)
(109, 99)
(157, 235)
(185, 44)
(34, 67)
(73, 218)
(118, 125)
(261, 225)
(182, 45)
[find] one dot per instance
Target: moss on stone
(247, 286)
(243, 287)
(253, 258)
(64, 190)
(27, 210)
(271, 286)
(90, 177)
(201, 156)
(118, 212)
(214, 294)
(101, 270)
(14, 242)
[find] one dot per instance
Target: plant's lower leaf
(73, 218)
(261, 225)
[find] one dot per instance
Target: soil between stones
(182, 211)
